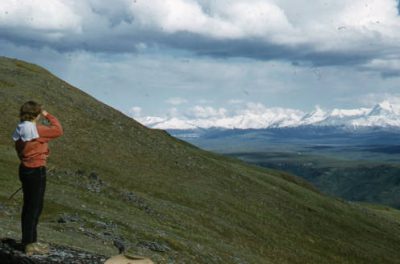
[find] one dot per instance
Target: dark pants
(33, 185)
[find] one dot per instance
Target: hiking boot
(37, 248)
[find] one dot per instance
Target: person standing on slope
(31, 143)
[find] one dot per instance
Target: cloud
(388, 67)
(224, 20)
(332, 32)
(176, 101)
(173, 112)
(48, 16)
(46, 21)
(372, 99)
(199, 111)
(135, 111)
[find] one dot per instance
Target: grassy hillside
(112, 178)
(376, 181)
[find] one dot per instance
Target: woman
(31, 143)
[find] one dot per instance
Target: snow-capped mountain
(315, 117)
(384, 114)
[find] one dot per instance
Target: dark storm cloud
(256, 49)
(199, 45)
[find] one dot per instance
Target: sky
(212, 58)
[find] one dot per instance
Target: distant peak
(319, 111)
(386, 105)
(384, 108)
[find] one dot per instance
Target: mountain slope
(111, 178)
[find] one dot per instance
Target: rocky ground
(10, 253)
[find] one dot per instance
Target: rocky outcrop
(11, 253)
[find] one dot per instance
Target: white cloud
(389, 63)
(263, 19)
(331, 25)
(345, 25)
(54, 18)
(135, 111)
(173, 112)
(176, 101)
(371, 14)
(389, 66)
(237, 19)
(199, 111)
(372, 99)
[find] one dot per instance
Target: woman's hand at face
(44, 112)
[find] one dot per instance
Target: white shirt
(26, 131)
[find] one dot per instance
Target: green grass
(356, 180)
(205, 207)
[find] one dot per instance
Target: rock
(126, 259)
(37, 249)
(12, 253)
(139, 202)
(95, 183)
(65, 218)
(79, 172)
(119, 244)
(153, 245)
(93, 176)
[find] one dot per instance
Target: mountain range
(383, 115)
